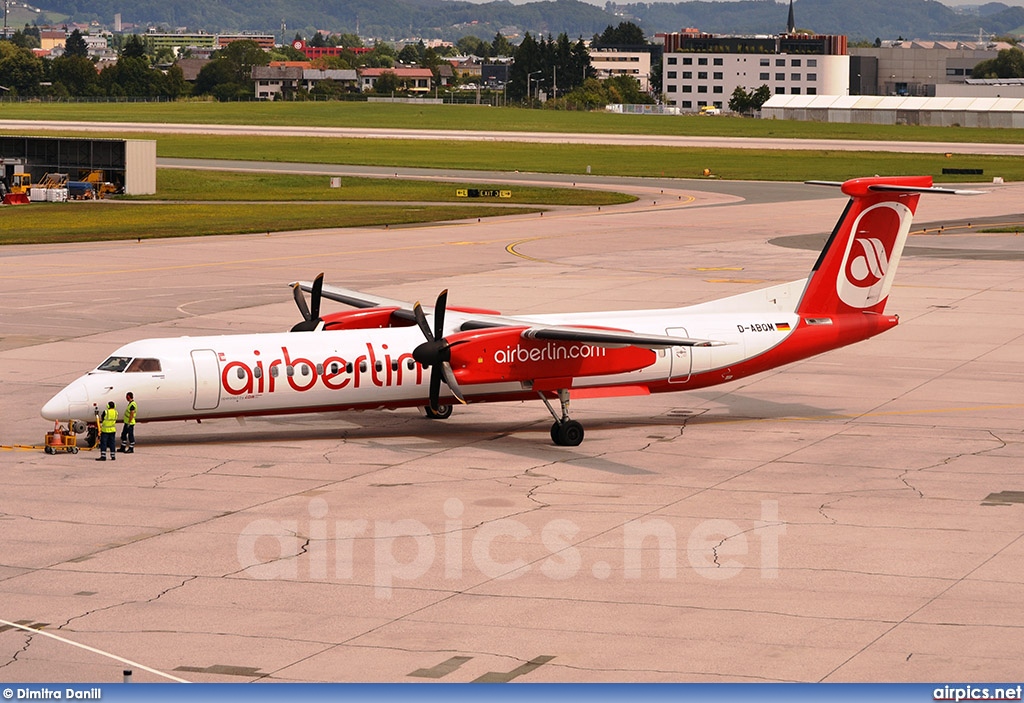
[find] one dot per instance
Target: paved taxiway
(855, 517)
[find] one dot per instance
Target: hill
(452, 19)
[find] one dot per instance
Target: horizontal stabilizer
(886, 187)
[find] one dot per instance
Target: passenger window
(274, 372)
(335, 368)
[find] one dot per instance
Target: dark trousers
(108, 440)
(128, 435)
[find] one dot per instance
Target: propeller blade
(300, 301)
(435, 389)
(449, 378)
(315, 295)
(421, 320)
(439, 309)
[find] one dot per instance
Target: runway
(854, 517)
(530, 137)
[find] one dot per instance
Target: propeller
(310, 315)
(435, 353)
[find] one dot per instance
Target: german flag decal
(782, 326)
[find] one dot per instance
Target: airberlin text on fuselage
(549, 352)
(302, 374)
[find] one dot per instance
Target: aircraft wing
(354, 298)
(564, 333)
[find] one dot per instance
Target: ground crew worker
(108, 432)
(128, 431)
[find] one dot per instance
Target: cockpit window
(144, 366)
(117, 364)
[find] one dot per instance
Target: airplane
(386, 353)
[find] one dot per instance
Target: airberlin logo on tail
(867, 267)
(872, 254)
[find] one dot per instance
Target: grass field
(125, 220)
(183, 184)
(482, 117)
(48, 223)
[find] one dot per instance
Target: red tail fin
(856, 268)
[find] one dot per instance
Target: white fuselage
(259, 374)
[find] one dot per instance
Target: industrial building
(130, 164)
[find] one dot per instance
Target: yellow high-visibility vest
(109, 421)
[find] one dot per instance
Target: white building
(704, 70)
(608, 63)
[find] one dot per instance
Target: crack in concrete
(112, 606)
(23, 650)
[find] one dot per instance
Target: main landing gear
(565, 432)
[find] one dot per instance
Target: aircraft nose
(57, 408)
(70, 403)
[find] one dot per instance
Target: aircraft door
(207, 370)
(682, 358)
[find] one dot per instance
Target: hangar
(1001, 112)
(128, 163)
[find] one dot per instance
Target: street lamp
(529, 84)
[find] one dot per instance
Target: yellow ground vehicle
(62, 439)
(103, 188)
(21, 182)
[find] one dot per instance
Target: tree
(75, 45)
(501, 46)
(174, 83)
(1008, 63)
(740, 101)
(626, 34)
(470, 45)
(22, 70)
(626, 91)
(134, 48)
(410, 53)
(386, 83)
(527, 61)
(760, 97)
(76, 74)
(24, 40)
(349, 41)
(242, 55)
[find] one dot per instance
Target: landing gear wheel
(567, 433)
(92, 437)
(443, 412)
